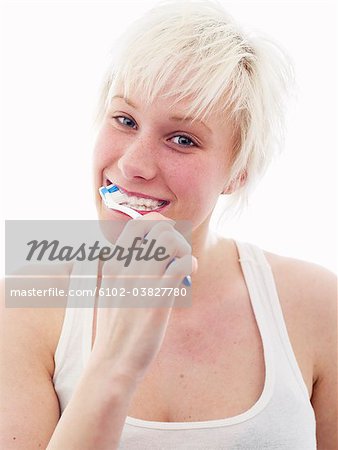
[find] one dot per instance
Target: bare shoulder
(29, 336)
(308, 296)
(306, 276)
(310, 291)
(39, 327)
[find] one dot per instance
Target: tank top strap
(76, 330)
(262, 287)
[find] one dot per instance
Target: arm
(315, 290)
(95, 415)
(325, 396)
(30, 414)
(29, 407)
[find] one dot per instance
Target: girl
(191, 109)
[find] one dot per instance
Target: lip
(137, 194)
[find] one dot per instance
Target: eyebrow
(125, 99)
(173, 118)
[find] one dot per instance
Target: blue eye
(126, 121)
(185, 141)
(182, 140)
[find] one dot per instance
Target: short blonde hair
(198, 50)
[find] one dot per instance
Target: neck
(204, 243)
(216, 256)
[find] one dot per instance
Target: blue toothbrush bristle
(108, 189)
(112, 188)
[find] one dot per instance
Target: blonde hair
(194, 48)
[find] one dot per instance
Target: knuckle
(187, 247)
(168, 236)
(179, 267)
(157, 216)
(158, 229)
(128, 231)
(152, 216)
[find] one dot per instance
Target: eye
(125, 121)
(184, 141)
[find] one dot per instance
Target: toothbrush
(111, 195)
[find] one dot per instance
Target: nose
(138, 160)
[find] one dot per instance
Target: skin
(141, 149)
(143, 154)
(149, 159)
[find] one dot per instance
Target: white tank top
(282, 418)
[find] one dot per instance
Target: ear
(235, 184)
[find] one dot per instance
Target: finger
(175, 243)
(165, 246)
(179, 269)
(156, 216)
(140, 227)
(131, 244)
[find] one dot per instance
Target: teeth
(138, 201)
(141, 207)
(144, 208)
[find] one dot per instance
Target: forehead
(167, 102)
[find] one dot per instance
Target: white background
(53, 57)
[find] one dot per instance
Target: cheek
(103, 148)
(105, 152)
(188, 177)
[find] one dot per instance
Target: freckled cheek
(185, 180)
(105, 150)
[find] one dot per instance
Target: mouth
(139, 202)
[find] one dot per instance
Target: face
(149, 150)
